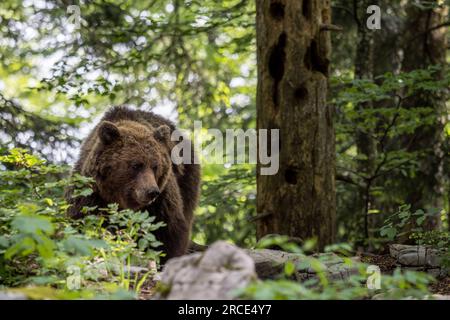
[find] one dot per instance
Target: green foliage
(435, 238)
(135, 227)
(399, 285)
(40, 246)
(227, 205)
(407, 224)
(410, 225)
(43, 132)
(380, 111)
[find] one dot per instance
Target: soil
(388, 264)
(442, 286)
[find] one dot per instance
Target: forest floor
(388, 264)
(148, 290)
(442, 286)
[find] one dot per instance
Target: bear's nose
(152, 193)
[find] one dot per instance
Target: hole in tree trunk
(306, 9)
(277, 57)
(312, 59)
(277, 10)
(290, 175)
(276, 65)
(307, 59)
(300, 93)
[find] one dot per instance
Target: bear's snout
(147, 196)
(152, 194)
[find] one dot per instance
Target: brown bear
(128, 156)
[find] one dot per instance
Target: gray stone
(437, 272)
(270, 263)
(394, 249)
(133, 270)
(7, 295)
(409, 255)
(433, 259)
(214, 274)
(157, 276)
(342, 271)
(414, 256)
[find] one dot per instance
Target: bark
(423, 47)
(366, 145)
(293, 48)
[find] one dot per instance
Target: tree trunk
(423, 47)
(365, 143)
(293, 48)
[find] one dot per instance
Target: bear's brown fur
(128, 155)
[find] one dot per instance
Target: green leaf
(84, 192)
(24, 247)
(83, 247)
(4, 242)
(45, 247)
(289, 268)
(389, 232)
(143, 244)
(420, 220)
(33, 224)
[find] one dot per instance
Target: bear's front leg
(176, 234)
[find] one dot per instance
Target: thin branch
(260, 216)
(391, 125)
(441, 25)
(347, 179)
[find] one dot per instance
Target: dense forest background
(63, 63)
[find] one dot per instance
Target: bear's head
(131, 163)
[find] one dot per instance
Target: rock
(437, 272)
(223, 267)
(433, 259)
(414, 256)
(5, 295)
(408, 255)
(394, 249)
(214, 274)
(156, 276)
(342, 271)
(133, 270)
(334, 267)
(270, 263)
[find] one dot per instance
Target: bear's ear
(162, 133)
(108, 132)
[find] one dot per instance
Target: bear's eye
(154, 167)
(137, 166)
